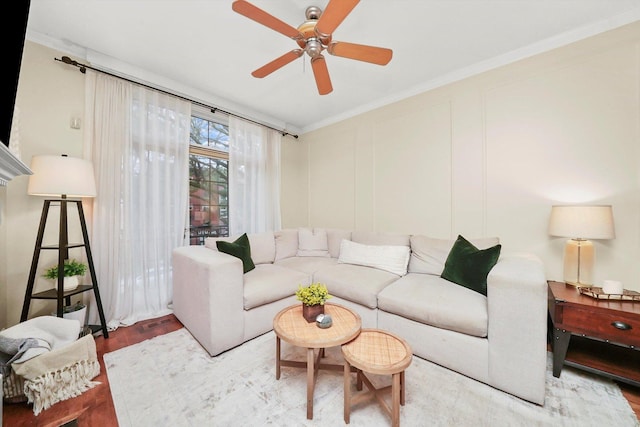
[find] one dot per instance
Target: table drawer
(612, 327)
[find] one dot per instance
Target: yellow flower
(314, 294)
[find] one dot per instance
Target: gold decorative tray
(598, 293)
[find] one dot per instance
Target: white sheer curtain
(138, 140)
(254, 178)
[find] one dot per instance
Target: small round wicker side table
(376, 352)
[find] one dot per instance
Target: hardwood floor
(95, 407)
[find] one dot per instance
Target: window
(208, 176)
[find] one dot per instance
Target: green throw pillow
(469, 266)
(240, 249)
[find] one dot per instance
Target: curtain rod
(83, 69)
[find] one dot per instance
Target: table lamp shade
(61, 175)
(581, 223)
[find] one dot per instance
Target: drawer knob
(621, 325)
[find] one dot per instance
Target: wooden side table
(377, 352)
(290, 325)
(599, 336)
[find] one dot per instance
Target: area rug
(170, 380)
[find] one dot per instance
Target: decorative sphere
(324, 321)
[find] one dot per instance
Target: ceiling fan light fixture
(314, 47)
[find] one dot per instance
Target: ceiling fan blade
(321, 73)
(260, 16)
(360, 52)
(333, 15)
(277, 63)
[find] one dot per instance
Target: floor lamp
(581, 223)
(60, 178)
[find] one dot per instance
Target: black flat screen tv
(15, 15)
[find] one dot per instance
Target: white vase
(70, 283)
(79, 314)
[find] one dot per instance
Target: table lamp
(581, 223)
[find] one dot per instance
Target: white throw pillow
(393, 259)
(313, 242)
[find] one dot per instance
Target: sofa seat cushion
(434, 301)
(307, 264)
(269, 282)
(355, 283)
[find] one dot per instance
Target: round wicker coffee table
(290, 326)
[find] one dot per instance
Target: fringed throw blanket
(60, 374)
(34, 337)
(30, 339)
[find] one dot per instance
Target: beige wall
(49, 95)
(485, 156)
(295, 182)
(489, 155)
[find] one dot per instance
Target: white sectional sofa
(498, 339)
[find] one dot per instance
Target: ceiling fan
(313, 37)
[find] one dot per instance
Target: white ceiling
(210, 50)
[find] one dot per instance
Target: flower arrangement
(314, 294)
(71, 268)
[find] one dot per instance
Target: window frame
(199, 150)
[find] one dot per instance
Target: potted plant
(313, 298)
(71, 271)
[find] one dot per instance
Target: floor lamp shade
(61, 175)
(581, 223)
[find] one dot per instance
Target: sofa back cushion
(334, 239)
(375, 238)
(210, 242)
(312, 242)
(263, 247)
(428, 254)
(286, 243)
